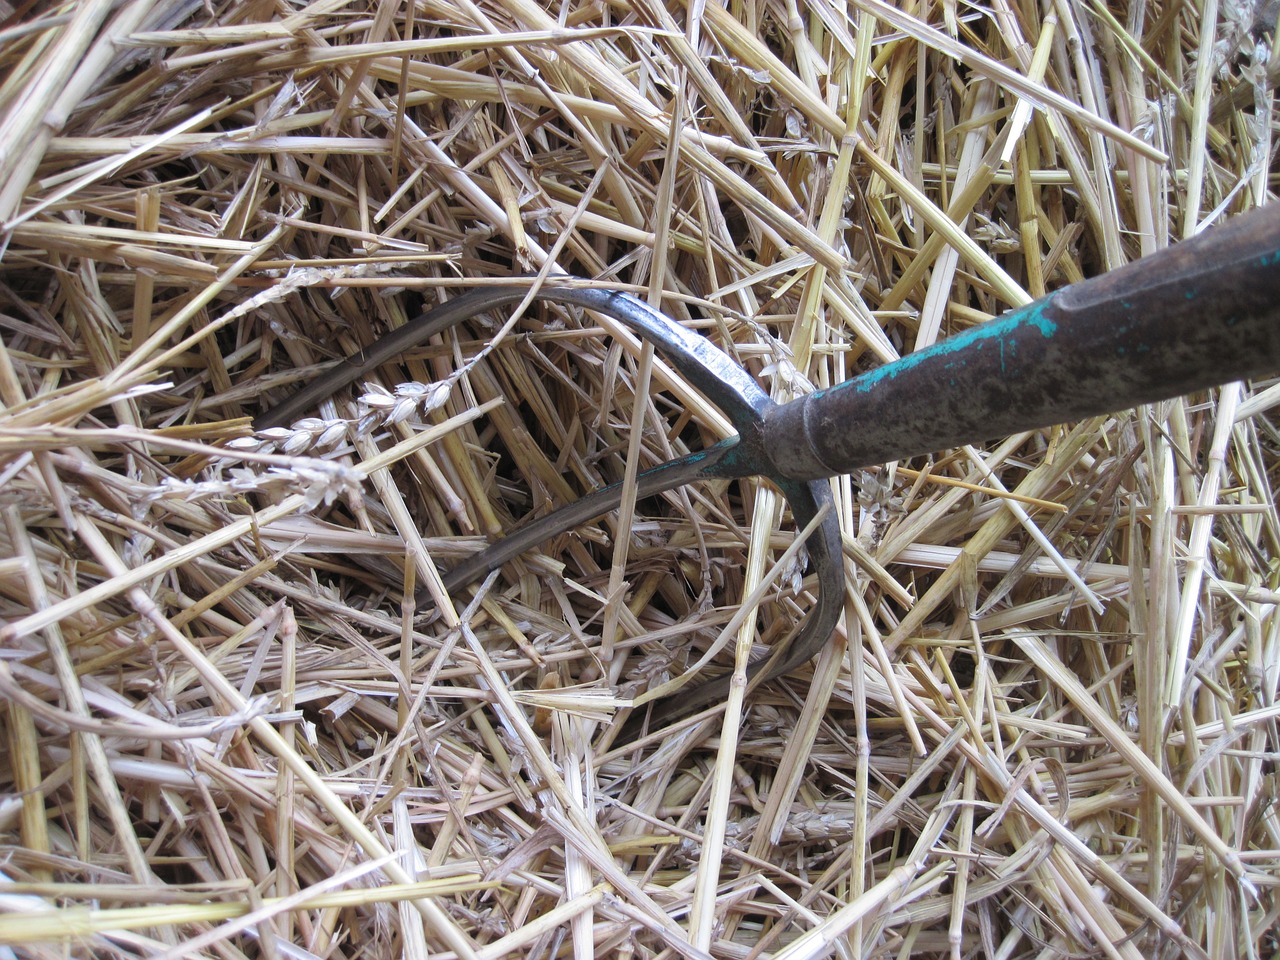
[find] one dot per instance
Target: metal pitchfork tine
(1201, 313)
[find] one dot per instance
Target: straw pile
(1046, 726)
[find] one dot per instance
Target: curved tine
(385, 349)
(707, 367)
(659, 479)
(712, 372)
(826, 552)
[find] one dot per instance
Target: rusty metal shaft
(1201, 313)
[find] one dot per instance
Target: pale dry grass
(1048, 725)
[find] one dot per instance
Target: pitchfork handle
(1203, 312)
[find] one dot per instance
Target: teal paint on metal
(999, 330)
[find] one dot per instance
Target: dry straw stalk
(1047, 725)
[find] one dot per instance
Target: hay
(223, 735)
